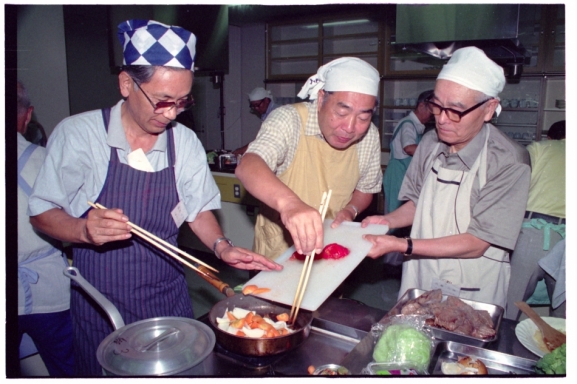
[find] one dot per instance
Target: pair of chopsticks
(308, 265)
(161, 244)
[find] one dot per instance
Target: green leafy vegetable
(401, 343)
(553, 363)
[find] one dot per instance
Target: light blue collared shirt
(77, 163)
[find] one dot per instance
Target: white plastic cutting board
(326, 275)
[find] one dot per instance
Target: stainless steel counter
(340, 334)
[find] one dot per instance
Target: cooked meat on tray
(452, 314)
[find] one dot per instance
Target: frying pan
(254, 346)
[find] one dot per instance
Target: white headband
(259, 94)
(347, 74)
(470, 67)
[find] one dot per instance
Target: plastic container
(331, 370)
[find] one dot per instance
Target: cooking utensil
(497, 363)
(495, 311)
(326, 275)
(259, 346)
(161, 346)
(308, 264)
(251, 346)
(551, 337)
(530, 336)
(159, 243)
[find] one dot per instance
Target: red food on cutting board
(331, 251)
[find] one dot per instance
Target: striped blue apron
(140, 280)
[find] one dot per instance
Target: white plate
(526, 329)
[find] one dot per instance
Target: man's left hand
(242, 258)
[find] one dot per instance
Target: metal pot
(162, 346)
(251, 346)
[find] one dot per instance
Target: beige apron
(443, 210)
(316, 168)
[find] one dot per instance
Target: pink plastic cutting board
(326, 275)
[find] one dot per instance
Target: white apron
(444, 209)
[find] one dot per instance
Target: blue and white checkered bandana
(148, 42)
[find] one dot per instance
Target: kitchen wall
(42, 62)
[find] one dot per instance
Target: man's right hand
(304, 225)
(106, 225)
(101, 226)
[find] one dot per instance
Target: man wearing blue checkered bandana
(136, 161)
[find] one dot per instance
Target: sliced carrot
(282, 317)
(240, 333)
(258, 291)
(284, 331)
(238, 323)
(249, 289)
(257, 319)
(230, 316)
(249, 317)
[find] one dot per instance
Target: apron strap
(22, 160)
(303, 113)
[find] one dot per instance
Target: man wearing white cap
(136, 161)
(466, 187)
(261, 103)
(305, 149)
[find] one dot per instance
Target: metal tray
(495, 311)
(497, 363)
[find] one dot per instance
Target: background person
(305, 149)
(406, 137)
(544, 223)
(134, 159)
(261, 103)
(466, 188)
(43, 291)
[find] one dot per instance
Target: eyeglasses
(257, 105)
(452, 114)
(161, 106)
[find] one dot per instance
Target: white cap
(346, 74)
(470, 67)
(258, 94)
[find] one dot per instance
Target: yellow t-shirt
(547, 191)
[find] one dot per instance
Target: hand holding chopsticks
(160, 244)
(308, 264)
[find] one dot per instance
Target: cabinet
(542, 33)
(295, 51)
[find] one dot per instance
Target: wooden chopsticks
(308, 264)
(161, 244)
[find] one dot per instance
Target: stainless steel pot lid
(161, 346)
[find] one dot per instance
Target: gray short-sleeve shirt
(498, 208)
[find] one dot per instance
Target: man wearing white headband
(466, 187)
(261, 103)
(305, 149)
(142, 166)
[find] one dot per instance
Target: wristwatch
(409, 250)
(217, 241)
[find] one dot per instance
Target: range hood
(440, 29)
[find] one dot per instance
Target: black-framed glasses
(257, 105)
(159, 107)
(452, 114)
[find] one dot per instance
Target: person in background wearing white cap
(305, 149)
(466, 187)
(261, 103)
(136, 161)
